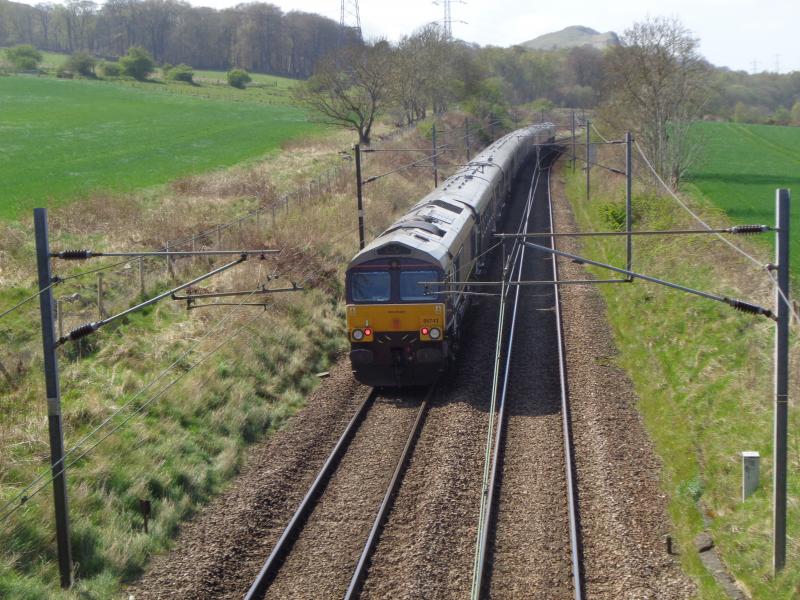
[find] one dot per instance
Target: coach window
(413, 288)
(374, 286)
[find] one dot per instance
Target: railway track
(529, 423)
(321, 538)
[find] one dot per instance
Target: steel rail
(572, 488)
(281, 550)
(482, 550)
(544, 234)
(360, 573)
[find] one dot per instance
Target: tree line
(258, 37)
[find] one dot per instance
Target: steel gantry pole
(783, 312)
(588, 155)
(435, 163)
(53, 398)
(573, 141)
(629, 198)
(359, 197)
(466, 136)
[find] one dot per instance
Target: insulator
(82, 331)
(752, 309)
(748, 229)
(75, 254)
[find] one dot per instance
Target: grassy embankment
(703, 372)
(181, 448)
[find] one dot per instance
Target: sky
(740, 34)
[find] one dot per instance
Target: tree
(137, 63)
(350, 88)
(238, 78)
(24, 57)
(81, 63)
(796, 113)
(179, 72)
(110, 69)
(657, 85)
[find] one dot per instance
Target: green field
(66, 138)
(742, 167)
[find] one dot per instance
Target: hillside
(571, 37)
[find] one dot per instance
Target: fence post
(141, 276)
(100, 309)
(60, 313)
(170, 268)
(53, 387)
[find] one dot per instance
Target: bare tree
(657, 84)
(350, 87)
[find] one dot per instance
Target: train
(406, 292)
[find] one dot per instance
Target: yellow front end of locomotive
(365, 320)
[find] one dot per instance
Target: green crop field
(61, 139)
(742, 167)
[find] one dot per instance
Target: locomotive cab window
(372, 286)
(412, 288)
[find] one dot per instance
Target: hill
(571, 37)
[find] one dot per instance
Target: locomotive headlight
(435, 333)
(358, 334)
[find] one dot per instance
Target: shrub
(24, 57)
(614, 214)
(137, 63)
(81, 63)
(238, 78)
(180, 73)
(110, 69)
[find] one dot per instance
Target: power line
(755, 261)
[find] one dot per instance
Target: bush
(24, 57)
(238, 78)
(110, 69)
(614, 214)
(81, 63)
(137, 63)
(180, 73)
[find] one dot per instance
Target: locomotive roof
(431, 228)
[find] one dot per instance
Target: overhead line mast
(350, 19)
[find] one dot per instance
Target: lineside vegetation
(703, 374)
(180, 449)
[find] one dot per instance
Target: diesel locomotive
(406, 290)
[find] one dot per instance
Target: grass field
(65, 138)
(742, 167)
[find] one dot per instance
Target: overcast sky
(733, 33)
